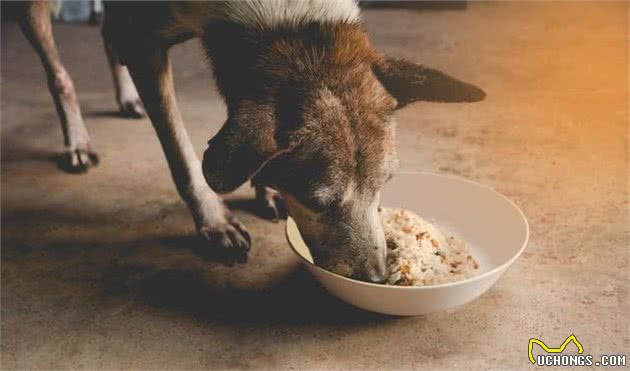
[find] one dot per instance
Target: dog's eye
(320, 198)
(316, 204)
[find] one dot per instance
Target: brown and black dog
(310, 114)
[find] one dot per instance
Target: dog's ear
(241, 148)
(409, 82)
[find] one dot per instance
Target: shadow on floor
(102, 113)
(294, 300)
(25, 154)
(112, 113)
(28, 154)
(165, 275)
(201, 292)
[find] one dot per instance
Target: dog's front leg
(228, 239)
(270, 202)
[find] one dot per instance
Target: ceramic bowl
(493, 226)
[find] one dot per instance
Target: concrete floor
(97, 271)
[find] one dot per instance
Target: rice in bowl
(419, 254)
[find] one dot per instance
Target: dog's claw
(79, 159)
(229, 242)
(271, 202)
(131, 108)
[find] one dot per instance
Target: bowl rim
(493, 271)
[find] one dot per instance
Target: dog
(310, 119)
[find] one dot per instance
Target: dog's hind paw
(227, 242)
(131, 108)
(271, 203)
(78, 159)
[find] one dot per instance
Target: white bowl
(493, 226)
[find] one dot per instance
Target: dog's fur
(310, 113)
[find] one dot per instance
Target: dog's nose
(376, 278)
(371, 274)
(377, 273)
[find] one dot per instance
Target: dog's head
(320, 129)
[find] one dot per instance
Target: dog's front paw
(227, 241)
(271, 203)
(79, 158)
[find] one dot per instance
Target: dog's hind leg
(36, 25)
(127, 96)
(229, 241)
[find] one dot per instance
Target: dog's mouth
(368, 270)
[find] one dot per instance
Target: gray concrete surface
(97, 271)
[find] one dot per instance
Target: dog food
(418, 254)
